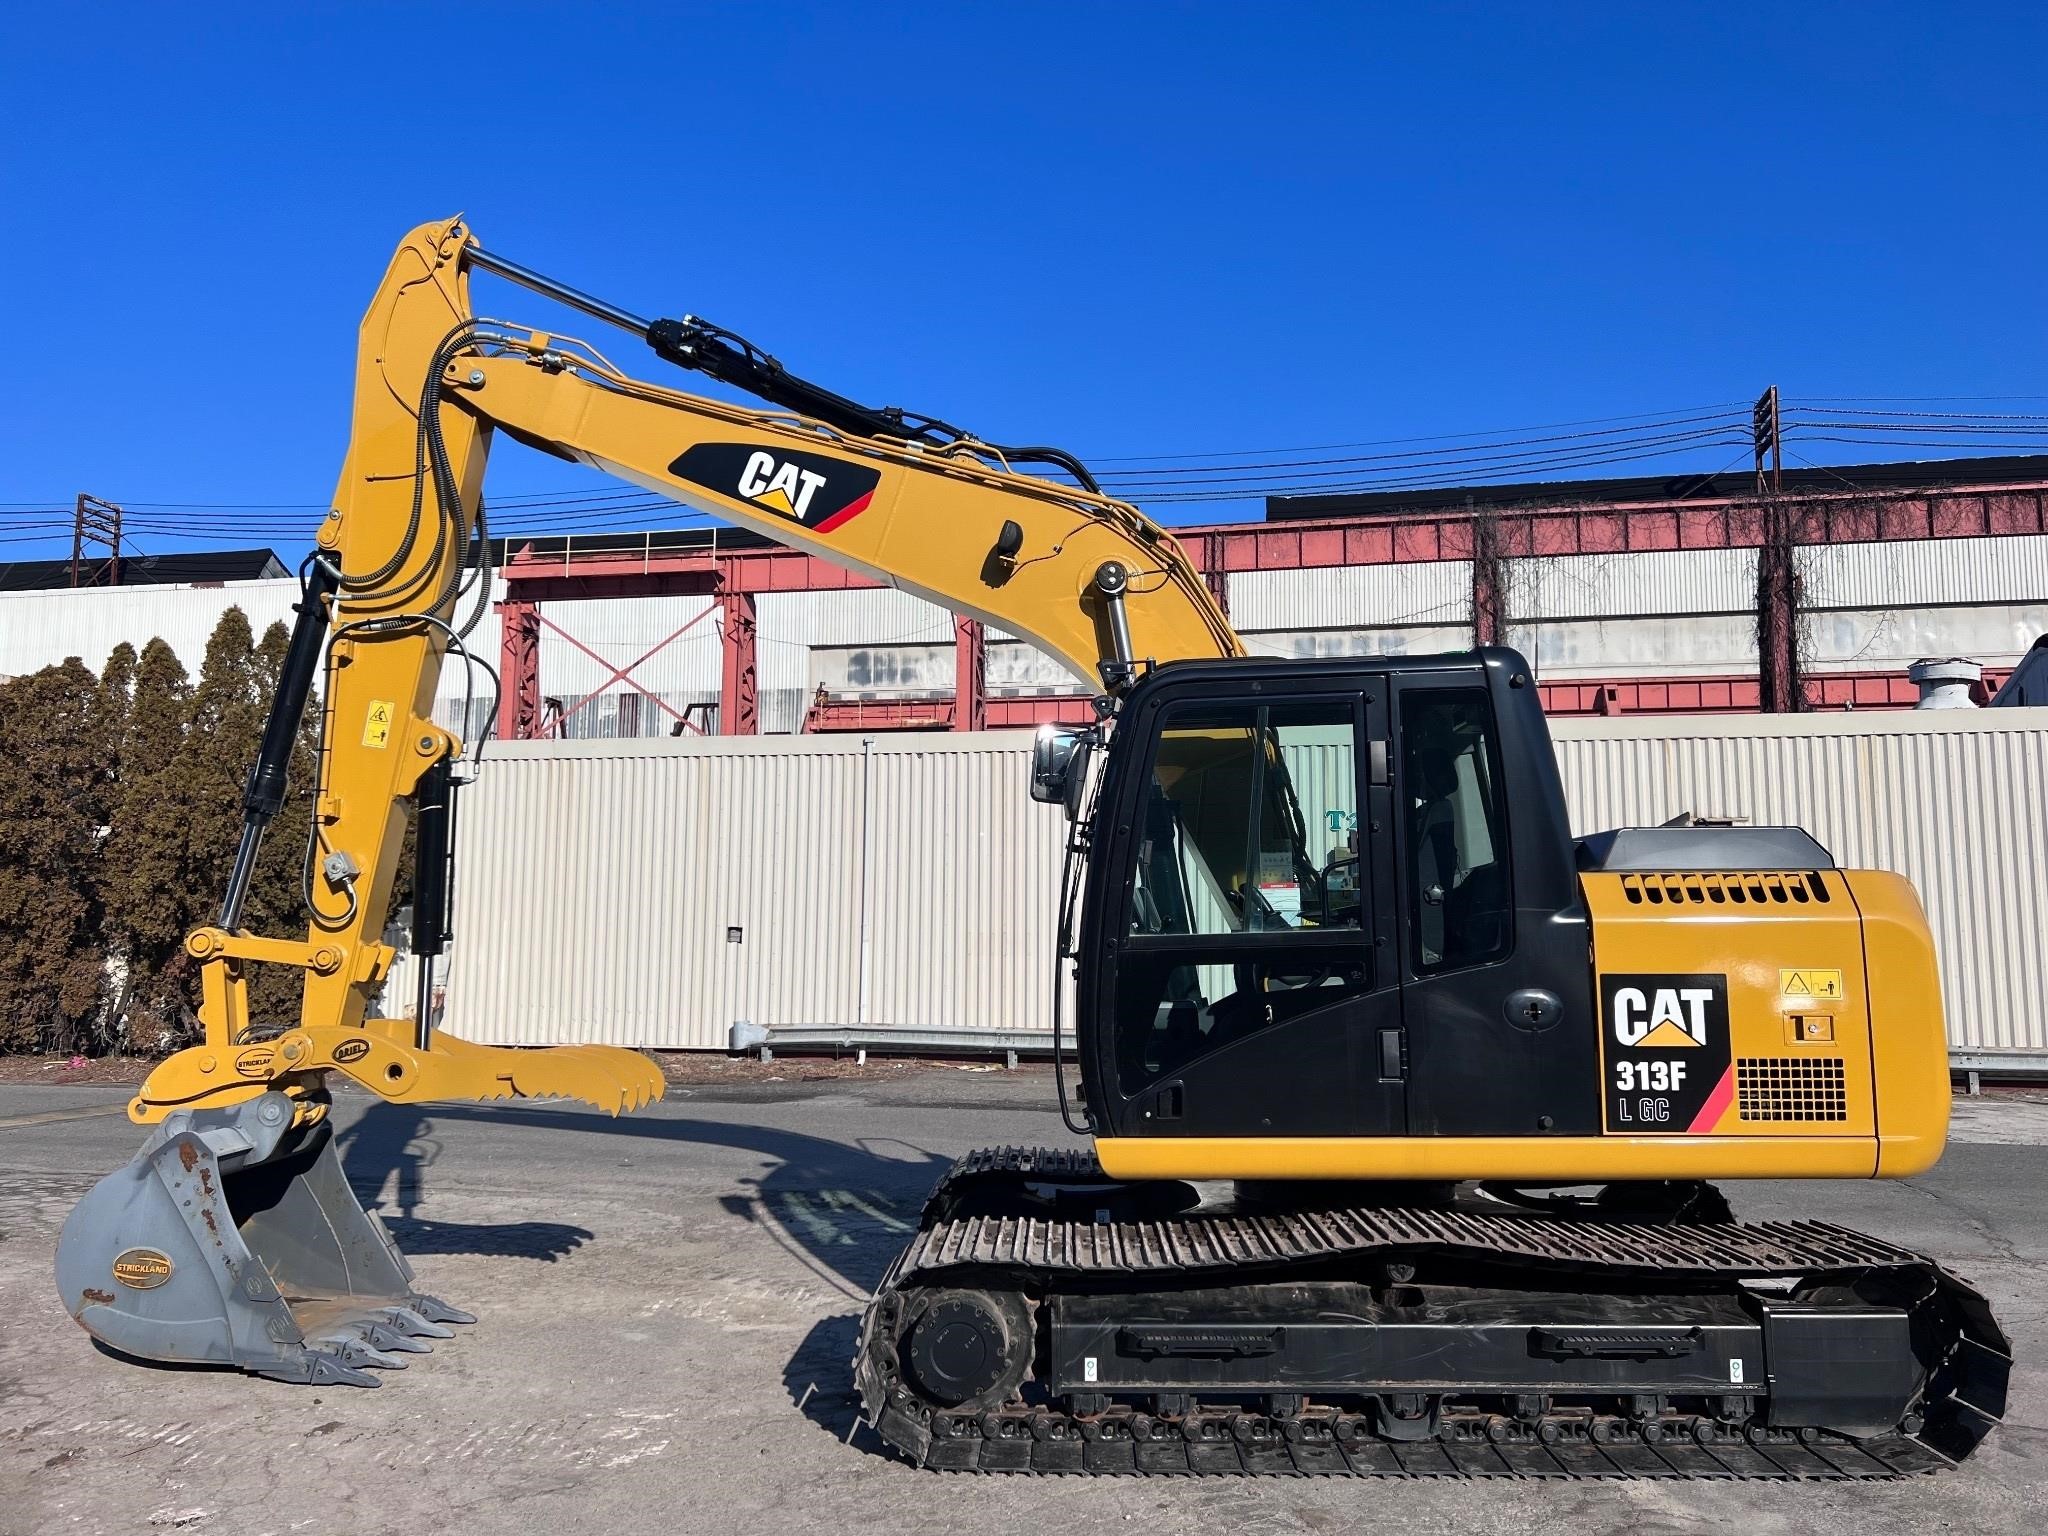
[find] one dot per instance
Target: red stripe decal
(846, 513)
(1716, 1106)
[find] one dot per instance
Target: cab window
(1460, 909)
(1244, 905)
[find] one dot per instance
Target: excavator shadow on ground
(841, 1210)
(385, 1155)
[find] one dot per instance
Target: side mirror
(1059, 766)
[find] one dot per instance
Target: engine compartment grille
(1791, 1088)
(1733, 888)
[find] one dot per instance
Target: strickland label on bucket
(1664, 1042)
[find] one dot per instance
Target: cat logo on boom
(808, 488)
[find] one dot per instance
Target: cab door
(1494, 939)
(1250, 951)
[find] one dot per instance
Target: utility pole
(1763, 419)
(95, 522)
(1489, 594)
(1780, 687)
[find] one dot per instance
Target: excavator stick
(242, 1244)
(232, 1238)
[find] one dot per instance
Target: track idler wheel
(968, 1350)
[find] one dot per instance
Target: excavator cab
(1315, 910)
(1404, 1105)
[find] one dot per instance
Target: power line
(1438, 437)
(1241, 475)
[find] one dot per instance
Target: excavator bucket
(232, 1238)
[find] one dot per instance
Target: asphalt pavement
(666, 1312)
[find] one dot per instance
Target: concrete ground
(667, 1308)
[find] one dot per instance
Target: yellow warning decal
(377, 728)
(1810, 985)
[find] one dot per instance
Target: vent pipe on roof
(1946, 684)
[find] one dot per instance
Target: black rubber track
(1043, 1253)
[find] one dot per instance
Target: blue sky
(1136, 231)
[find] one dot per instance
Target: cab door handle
(1377, 770)
(1390, 1056)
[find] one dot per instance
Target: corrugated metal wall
(1340, 596)
(599, 879)
(38, 629)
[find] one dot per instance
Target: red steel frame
(734, 579)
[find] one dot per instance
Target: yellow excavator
(1405, 1104)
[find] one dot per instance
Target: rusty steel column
(1210, 557)
(970, 674)
(1489, 587)
(739, 701)
(519, 671)
(1780, 689)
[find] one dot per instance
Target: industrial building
(1628, 596)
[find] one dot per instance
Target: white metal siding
(1635, 585)
(1352, 596)
(38, 629)
(599, 878)
(1926, 572)
(1869, 607)
(1711, 643)
(962, 908)
(1917, 573)
(620, 633)
(1410, 640)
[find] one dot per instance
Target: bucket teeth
(435, 1310)
(360, 1352)
(409, 1324)
(326, 1369)
(383, 1336)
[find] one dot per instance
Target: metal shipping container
(652, 892)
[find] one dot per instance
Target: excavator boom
(232, 1237)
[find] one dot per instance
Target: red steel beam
(518, 671)
(1587, 529)
(970, 674)
(627, 573)
(1631, 527)
(739, 698)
